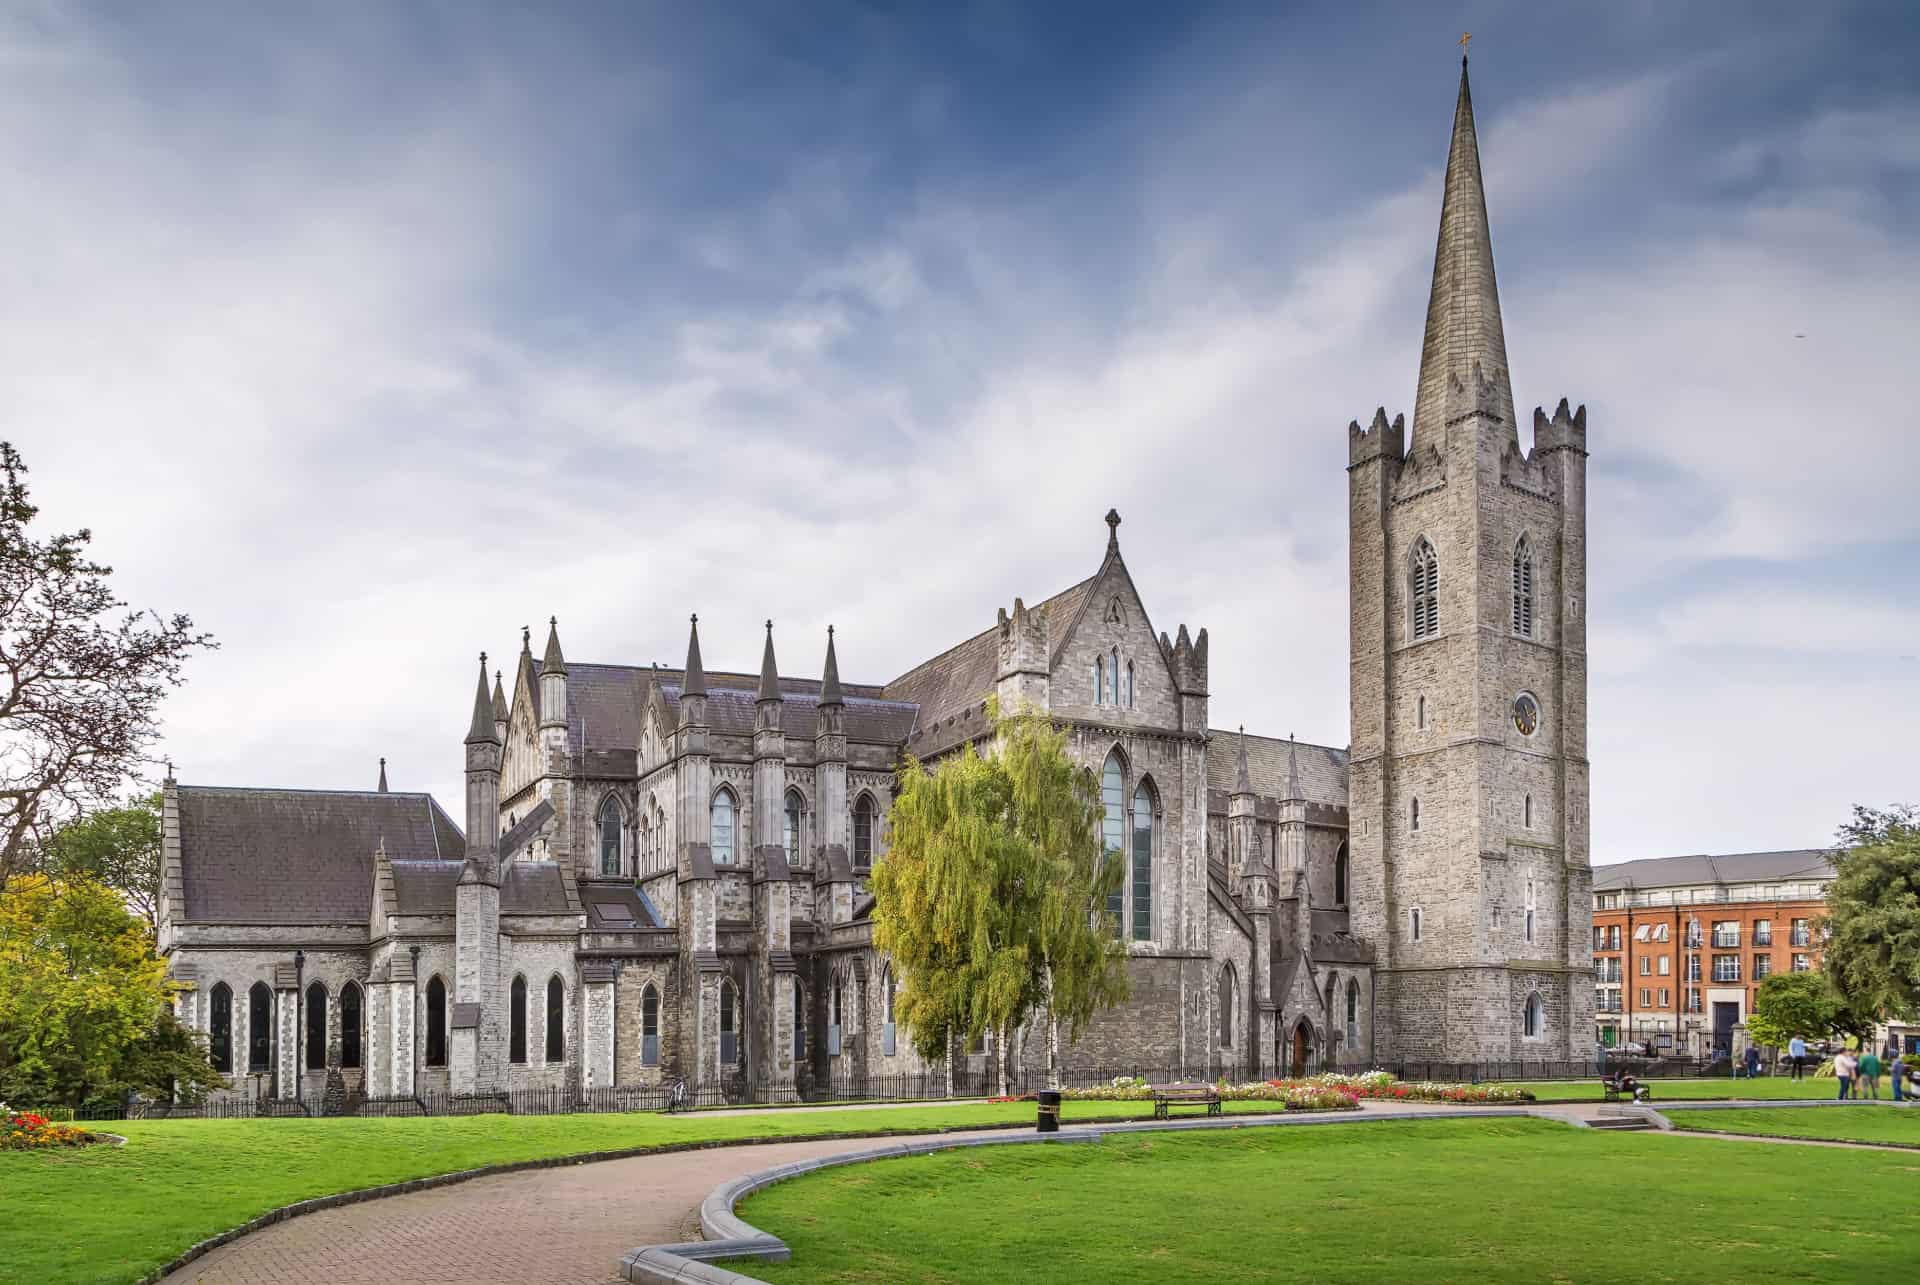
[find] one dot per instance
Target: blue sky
(370, 333)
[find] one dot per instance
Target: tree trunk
(1053, 1035)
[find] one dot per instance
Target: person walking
(1870, 1074)
(1898, 1069)
(1753, 1062)
(1843, 1070)
(1797, 1051)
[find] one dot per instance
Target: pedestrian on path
(1797, 1050)
(1898, 1069)
(1844, 1067)
(1870, 1074)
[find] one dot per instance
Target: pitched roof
(1793, 864)
(965, 673)
(1323, 769)
(606, 703)
(299, 856)
(1463, 307)
(732, 710)
(533, 888)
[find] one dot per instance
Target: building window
(1666, 997)
(1228, 1002)
(1726, 968)
(556, 1019)
(1762, 966)
(649, 1026)
(436, 1022)
(259, 1027)
(1523, 588)
(1530, 909)
(517, 1021)
(316, 1027)
(723, 827)
(1353, 1013)
(1129, 684)
(1802, 963)
(1797, 934)
(1526, 813)
(1661, 933)
(1113, 830)
(1693, 968)
(799, 1023)
(834, 997)
(1413, 922)
(1099, 680)
(1763, 932)
(1143, 863)
(220, 1028)
(863, 830)
(1694, 939)
(1413, 814)
(886, 1012)
(1693, 999)
(729, 1026)
(1666, 965)
(1726, 934)
(610, 836)
(1646, 966)
(350, 1025)
(1531, 1017)
(1420, 713)
(1423, 590)
(1113, 675)
(1646, 997)
(791, 836)
(1340, 875)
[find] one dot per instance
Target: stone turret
(553, 694)
(772, 1048)
(1243, 833)
(1024, 661)
(1187, 659)
(830, 859)
(476, 1062)
(699, 903)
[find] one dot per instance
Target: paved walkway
(565, 1226)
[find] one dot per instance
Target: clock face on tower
(1526, 714)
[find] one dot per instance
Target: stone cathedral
(661, 874)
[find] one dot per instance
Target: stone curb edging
(1667, 1126)
(730, 1236)
(430, 1181)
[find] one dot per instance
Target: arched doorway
(1302, 1046)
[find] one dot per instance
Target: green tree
(991, 899)
(1873, 913)
(1790, 1004)
(84, 1003)
(119, 847)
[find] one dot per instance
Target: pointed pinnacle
(830, 676)
(769, 671)
(553, 662)
(695, 681)
(481, 729)
(1293, 768)
(499, 699)
(383, 776)
(1243, 780)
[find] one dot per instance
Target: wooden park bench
(1610, 1090)
(1169, 1095)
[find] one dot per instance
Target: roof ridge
(971, 638)
(307, 789)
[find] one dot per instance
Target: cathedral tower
(1468, 786)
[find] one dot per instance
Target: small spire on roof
(1293, 769)
(830, 676)
(499, 699)
(1113, 530)
(482, 726)
(526, 640)
(695, 681)
(383, 775)
(553, 662)
(1243, 780)
(769, 672)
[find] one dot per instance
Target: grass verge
(1767, 1089)
(1884, 1125)
(1500, 1200)
(115, 1214)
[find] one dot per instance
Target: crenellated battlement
(1023, 641)
(1566, 431)
(1187, 658)
(1478, 396)
(1379, 440)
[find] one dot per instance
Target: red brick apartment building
(1680, 944)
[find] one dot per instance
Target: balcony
(1726, 940)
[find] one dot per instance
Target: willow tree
(991, 900)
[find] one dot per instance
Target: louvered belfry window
(1424, 590)
(1523, 588)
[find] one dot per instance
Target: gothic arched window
(1353, 1013)
(723, 827)
(1099, 679)
(556, 1019)
(316, 1027)
(886, 1011)
(1113, 672)
(729, 1025)
(791, 835)
(436, 1023)
(1413, 814)
(1113, 830)
(350, 1024)
(609, 837)
(1229, 1000)
(259, 1027)
(1523, 588)
(863, 818)
(517, 1021)
(799, 1022)
(1532, 1017)
(1143, 862)
(1423, 590)
(1530, 909)
(1340, 876)
(649, 1026)
(1526, 812)
(220, 1028)
(1129, 684)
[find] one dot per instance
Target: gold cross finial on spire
(1466, 38)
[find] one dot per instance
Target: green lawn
(1767, 1088)
(1841, 1124)
(116, 1213)
(1502, 1200)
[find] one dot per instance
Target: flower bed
(26, 1131)
(1332, 1091)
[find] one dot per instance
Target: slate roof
(617, 907)
(605, 704)
(965, 674)
(1323, 769)
(534, 888)
(1792, 865)
(425, 887)
(299, 856)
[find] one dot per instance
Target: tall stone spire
(1243, 780)
(695, 682)
(769, 671)
(830, 676)
(383, 780)
(1293, 768)
(1463, 311)
(481, 730)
